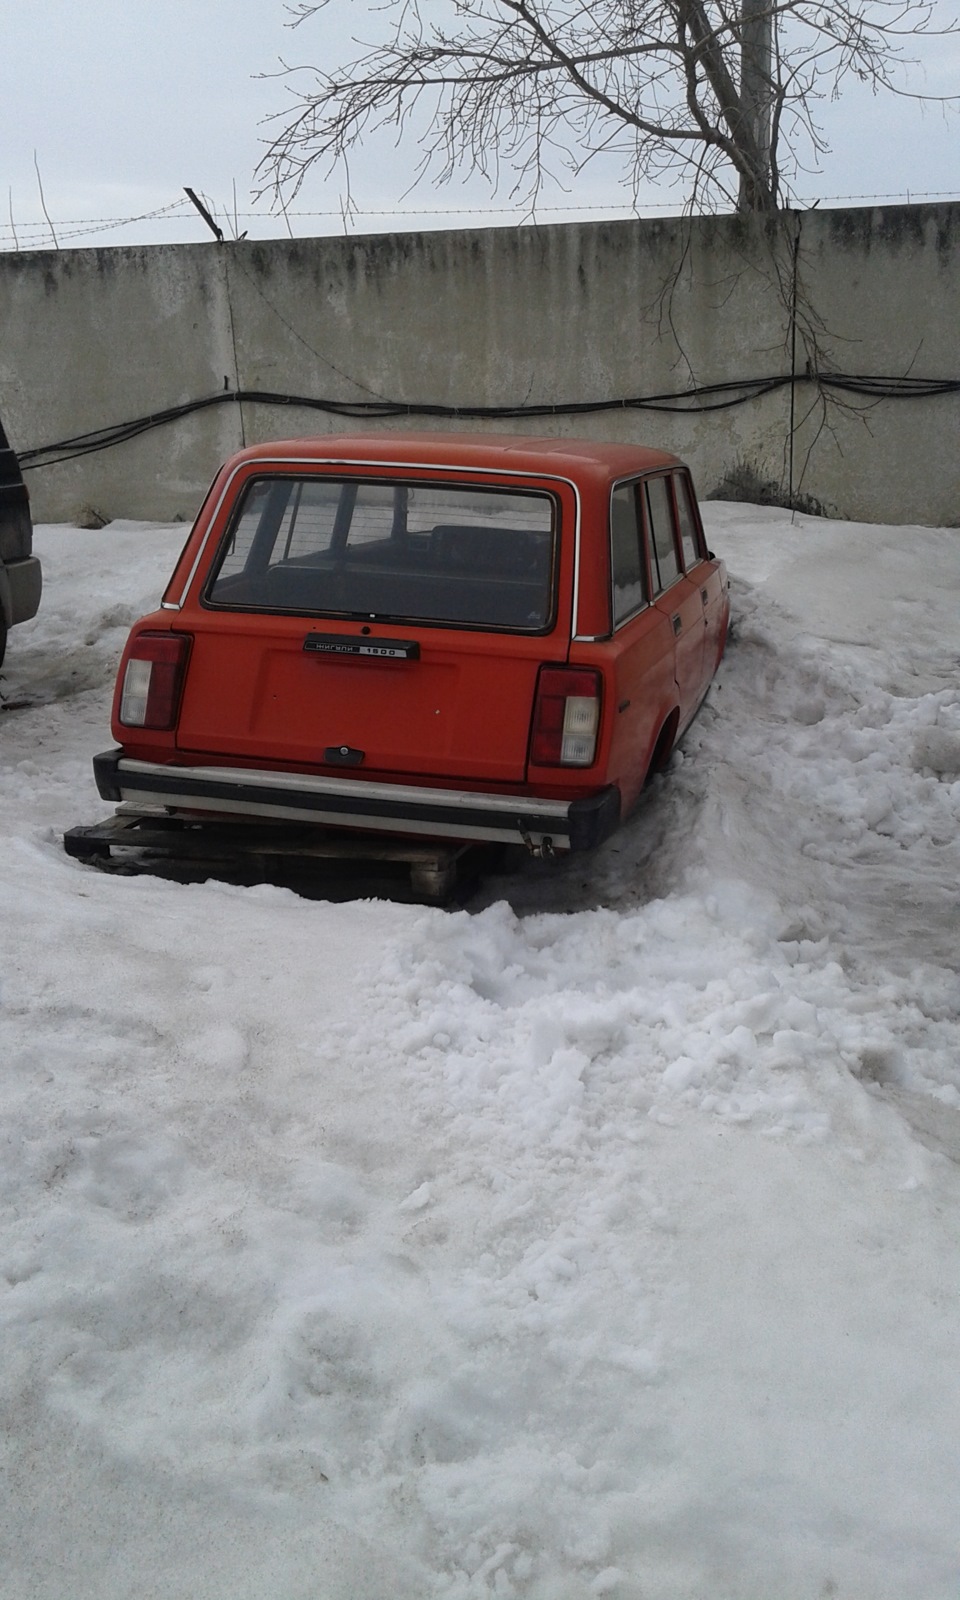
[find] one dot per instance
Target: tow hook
(543, 851)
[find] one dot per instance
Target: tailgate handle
(347, 644)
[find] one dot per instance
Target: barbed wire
(85, 225)
(613, 205)
(11, 233)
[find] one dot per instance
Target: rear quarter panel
(640, 698)
(637, 661)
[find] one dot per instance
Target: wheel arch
(663, 744)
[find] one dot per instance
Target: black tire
(664, 747)
(3, 639)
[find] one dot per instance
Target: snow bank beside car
(599, 1240)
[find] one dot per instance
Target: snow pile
(597, 1240)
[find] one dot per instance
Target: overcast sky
(117, 104)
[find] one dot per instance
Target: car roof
(553, 457)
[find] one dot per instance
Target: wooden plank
(433, 871)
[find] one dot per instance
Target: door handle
(677, 625)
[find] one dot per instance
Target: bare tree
(721, 96)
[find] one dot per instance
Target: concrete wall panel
(546, 316)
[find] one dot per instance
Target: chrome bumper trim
(351, 803)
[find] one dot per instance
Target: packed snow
(599, 1238)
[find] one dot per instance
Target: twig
(43, 203)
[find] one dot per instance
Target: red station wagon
(444, 636)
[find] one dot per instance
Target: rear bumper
(354, 803)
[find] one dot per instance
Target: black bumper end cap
(106, 768)
(593, 820)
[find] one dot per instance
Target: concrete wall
(498, 317)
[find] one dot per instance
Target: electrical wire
(694, 401)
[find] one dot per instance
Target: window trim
(649, 563)
(408, 479)
(652, 556)
(175, 594)
(678, 475)
(616, 623)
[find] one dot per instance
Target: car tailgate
(432, 702)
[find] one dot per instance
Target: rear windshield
(449, 553)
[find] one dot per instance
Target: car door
(640, 653)
(675, 595)
(704, 571)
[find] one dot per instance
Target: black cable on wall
(694, 401)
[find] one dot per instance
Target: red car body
(470, 637)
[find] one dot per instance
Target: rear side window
(454, 554)
(689, 528)
(665, 563)
(627, 564)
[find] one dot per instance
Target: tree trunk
(756, 52)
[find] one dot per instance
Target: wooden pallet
(310, 860)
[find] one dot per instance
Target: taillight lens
(566, 717)
(153, 680)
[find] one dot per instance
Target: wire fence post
(795, 270)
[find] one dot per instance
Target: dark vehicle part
(20, 578)
(309, 860)
(462, 816)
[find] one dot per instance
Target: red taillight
(153, 680)
(566, 717)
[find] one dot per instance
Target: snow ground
(601, 1239)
